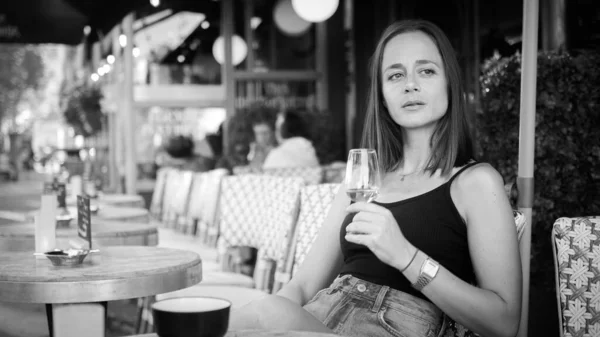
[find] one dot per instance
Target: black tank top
(432, 223)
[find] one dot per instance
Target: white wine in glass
(363, 178)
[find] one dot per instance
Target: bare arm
(324, 259)
(493, 307)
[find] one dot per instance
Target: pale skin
(412, 70)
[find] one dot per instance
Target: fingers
(360, 227)
(366, 217)
(366, 207)
(359, 239)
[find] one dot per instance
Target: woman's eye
(428, 72)
(395, 76)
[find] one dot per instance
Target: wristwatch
(429, 270)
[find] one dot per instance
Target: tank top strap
(460, 171)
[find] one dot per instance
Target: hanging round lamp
(315, 10)
(238, 46)
(287, 20)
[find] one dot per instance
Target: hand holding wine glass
(363, 178)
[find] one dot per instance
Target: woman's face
(263, 134)
(414, 81)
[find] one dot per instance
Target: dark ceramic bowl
(191, 316)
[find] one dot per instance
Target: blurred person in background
(264, 142)
(294, 149)
(238, 157)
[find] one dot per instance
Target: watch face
(430, 267)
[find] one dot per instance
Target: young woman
(440, 237)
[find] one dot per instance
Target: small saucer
(68, 258)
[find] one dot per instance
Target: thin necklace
(402, 176)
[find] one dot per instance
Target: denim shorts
(353, 307)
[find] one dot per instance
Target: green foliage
(567, 140)
(21, 68)
(326, 134)
(83, 110)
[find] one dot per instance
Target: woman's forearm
(482, 311)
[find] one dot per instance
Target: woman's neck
(416, 151)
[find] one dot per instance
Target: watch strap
(424, 277)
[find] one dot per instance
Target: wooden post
(351, 73)
(227, 67)
(527, 142)
(249, 37)
(321, 64)
(128, 109)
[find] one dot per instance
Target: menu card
(84, 223)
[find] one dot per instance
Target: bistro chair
(256, 211)
(189, 222)
(334, 173)
(179, 202)
(310, 175)
(576, 249)
(238, 170)
(208, 206)
(171, 189)
(156, 204)
(315, 202)
(261, 212)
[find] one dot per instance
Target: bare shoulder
(479, 179)
(475, 186)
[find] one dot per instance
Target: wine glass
(363, 178)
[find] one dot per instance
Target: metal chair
(576, 249)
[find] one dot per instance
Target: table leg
(79, 319)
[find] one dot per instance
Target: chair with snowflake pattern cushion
(576, 249)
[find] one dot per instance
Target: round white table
(116, 200)
(20, 237)
(114, 273)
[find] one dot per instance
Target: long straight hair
(451, 141)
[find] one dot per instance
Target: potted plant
(83, 110)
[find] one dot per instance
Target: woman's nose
(411, 86)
